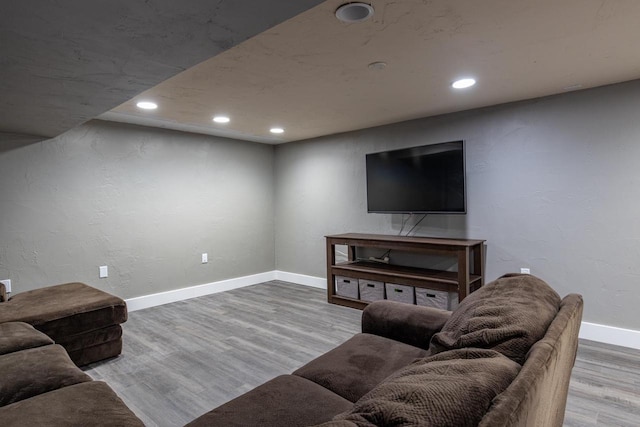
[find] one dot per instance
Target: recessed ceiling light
(354, 12)
(463, 83)
(276, 130)
(221, 119)
(147, 105)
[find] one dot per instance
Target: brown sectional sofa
(503, 358)
(82, 319)
(41, 386)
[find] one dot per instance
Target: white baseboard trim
(167, 297)
(589, 331)
(153, 300)
(610, 335)
(301, 279)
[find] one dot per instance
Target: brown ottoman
(84, 320)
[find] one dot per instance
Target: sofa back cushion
(508, 315)
(16, 336)
(453, 388)
(35, 371)
(538, 395)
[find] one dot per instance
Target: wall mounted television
(424, 179)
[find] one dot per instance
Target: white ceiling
(293, 64)
(309, 74)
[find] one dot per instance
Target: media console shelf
(468, 253)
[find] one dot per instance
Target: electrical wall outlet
(525, 271)
(104, 271)
(205, 258)
(7, 284)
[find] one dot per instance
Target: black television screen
(425, 179)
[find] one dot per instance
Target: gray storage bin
(436, 299)
(371, 290)
(400, 293)
(453, 300)
(347, 287)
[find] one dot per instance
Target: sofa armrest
(410, 324)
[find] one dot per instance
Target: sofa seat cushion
(358, 365)
(16, 336)
(35, 371)
(286, 400)
(508, 315)
(85, 404)
(453, 388)
(64, 310)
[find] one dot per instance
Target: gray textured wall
(553, 184)
(145, 202)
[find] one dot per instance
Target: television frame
(437, 212)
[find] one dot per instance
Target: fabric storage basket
(400, 293)
(432, 298)
(371, 290)
(347, 287)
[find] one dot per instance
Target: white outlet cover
(205, 258)
(7, 285)
(525, 271)
(104, 271)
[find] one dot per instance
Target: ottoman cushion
(89, 339)
(84, 320)
(64, 310)
(84, 356)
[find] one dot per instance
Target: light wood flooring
(183, 359)
(605, 387)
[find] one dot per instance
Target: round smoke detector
(354, 12)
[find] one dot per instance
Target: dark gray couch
(503, 358)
